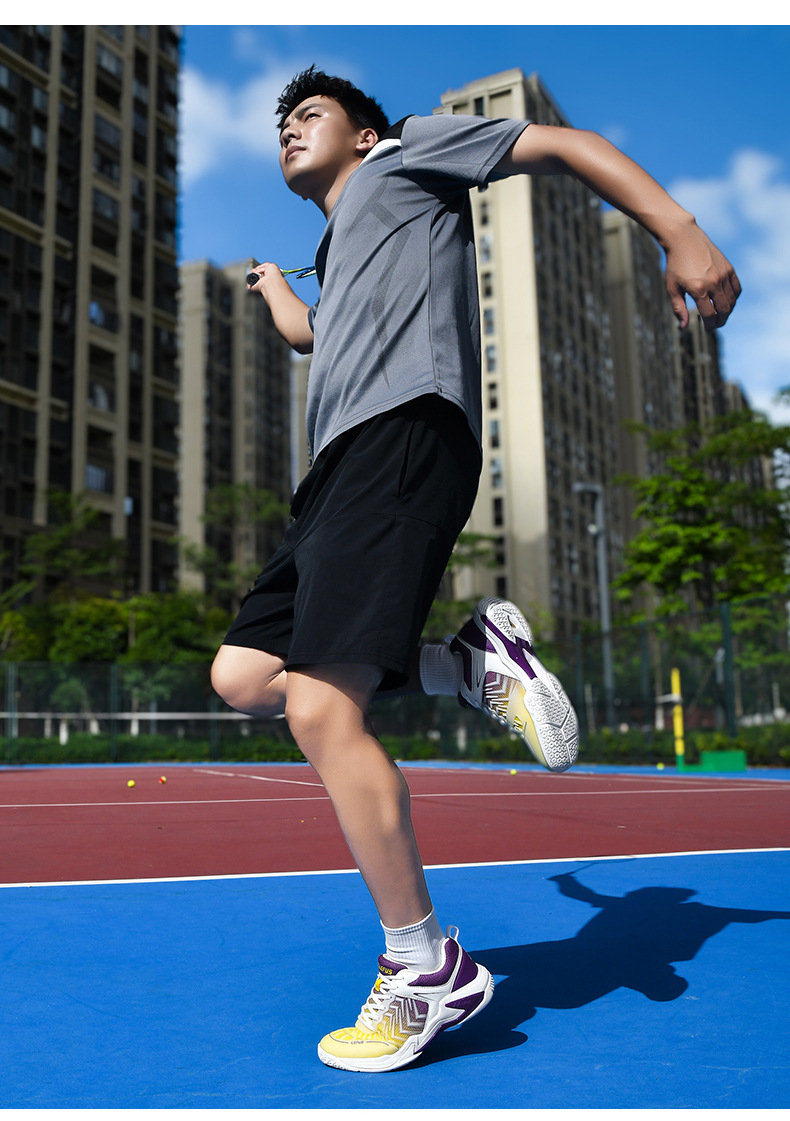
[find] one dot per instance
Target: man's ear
(367, 139)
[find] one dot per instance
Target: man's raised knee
(249, 681)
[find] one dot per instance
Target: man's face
(318, 142)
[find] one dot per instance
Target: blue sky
(704, 109)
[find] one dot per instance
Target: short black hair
(363, 111)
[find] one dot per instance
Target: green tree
(237, 512)
(92, 629)
(716, 524)
(63, 565)
(172, 627)
(71, 554)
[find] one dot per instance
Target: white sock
(418, 947)
(440, 670)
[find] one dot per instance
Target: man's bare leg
(327, 712)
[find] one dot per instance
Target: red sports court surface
(83, 823)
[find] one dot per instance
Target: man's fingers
(716, 305)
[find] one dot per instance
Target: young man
(394, 420)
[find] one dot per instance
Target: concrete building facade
(548, 375)
(89, 285)
(235, 407)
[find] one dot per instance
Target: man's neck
(325, 202)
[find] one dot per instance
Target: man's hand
(697, 268)
(290, 314)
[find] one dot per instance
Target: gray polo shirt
(398, 314)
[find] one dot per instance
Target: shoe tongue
(388, 967)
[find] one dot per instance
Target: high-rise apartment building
(235, 407)
(703, 386)
(548, 375)
(89, 285)
(645, 349)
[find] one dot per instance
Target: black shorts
(374, 523)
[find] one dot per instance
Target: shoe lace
(376, 1006)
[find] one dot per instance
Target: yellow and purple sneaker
(407, 1010)
(503, 676)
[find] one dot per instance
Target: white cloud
(220, 124)
(747, 213)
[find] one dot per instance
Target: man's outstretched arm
(694, 264)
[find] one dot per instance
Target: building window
(493, 433)
(107, 132)
(98, 478)
(7, 119)
(485, 246)
(488, 321)
(493, 395)
(106, 206)
(499, 512)
(106, 166)
(8, 79)
(109, 61)
(491, 364)
(496, 472)
(487, 285)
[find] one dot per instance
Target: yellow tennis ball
(130, 782)
(162, 778)
(659, 766)
(514, 772)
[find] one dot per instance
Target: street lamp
(597, 529)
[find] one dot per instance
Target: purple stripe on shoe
(389, 967)
(471, 634)
(467, 972)
(467, 1004)
(515, 649)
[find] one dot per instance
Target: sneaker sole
(537, 708)
(443, 1018)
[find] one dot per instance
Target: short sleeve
(462, 147)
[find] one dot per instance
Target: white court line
(428, 868)
(595, 793)
(761, 787)
(169, 802)
(258, 778)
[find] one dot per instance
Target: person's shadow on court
(631, 943)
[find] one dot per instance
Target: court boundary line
(324, 797)
(156, 802)
(428, 868)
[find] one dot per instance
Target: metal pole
(603, 593)
(598, 531)
(729, 670)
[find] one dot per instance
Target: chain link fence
(733, 664)
(733, 661)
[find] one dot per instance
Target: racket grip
(253, 277)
